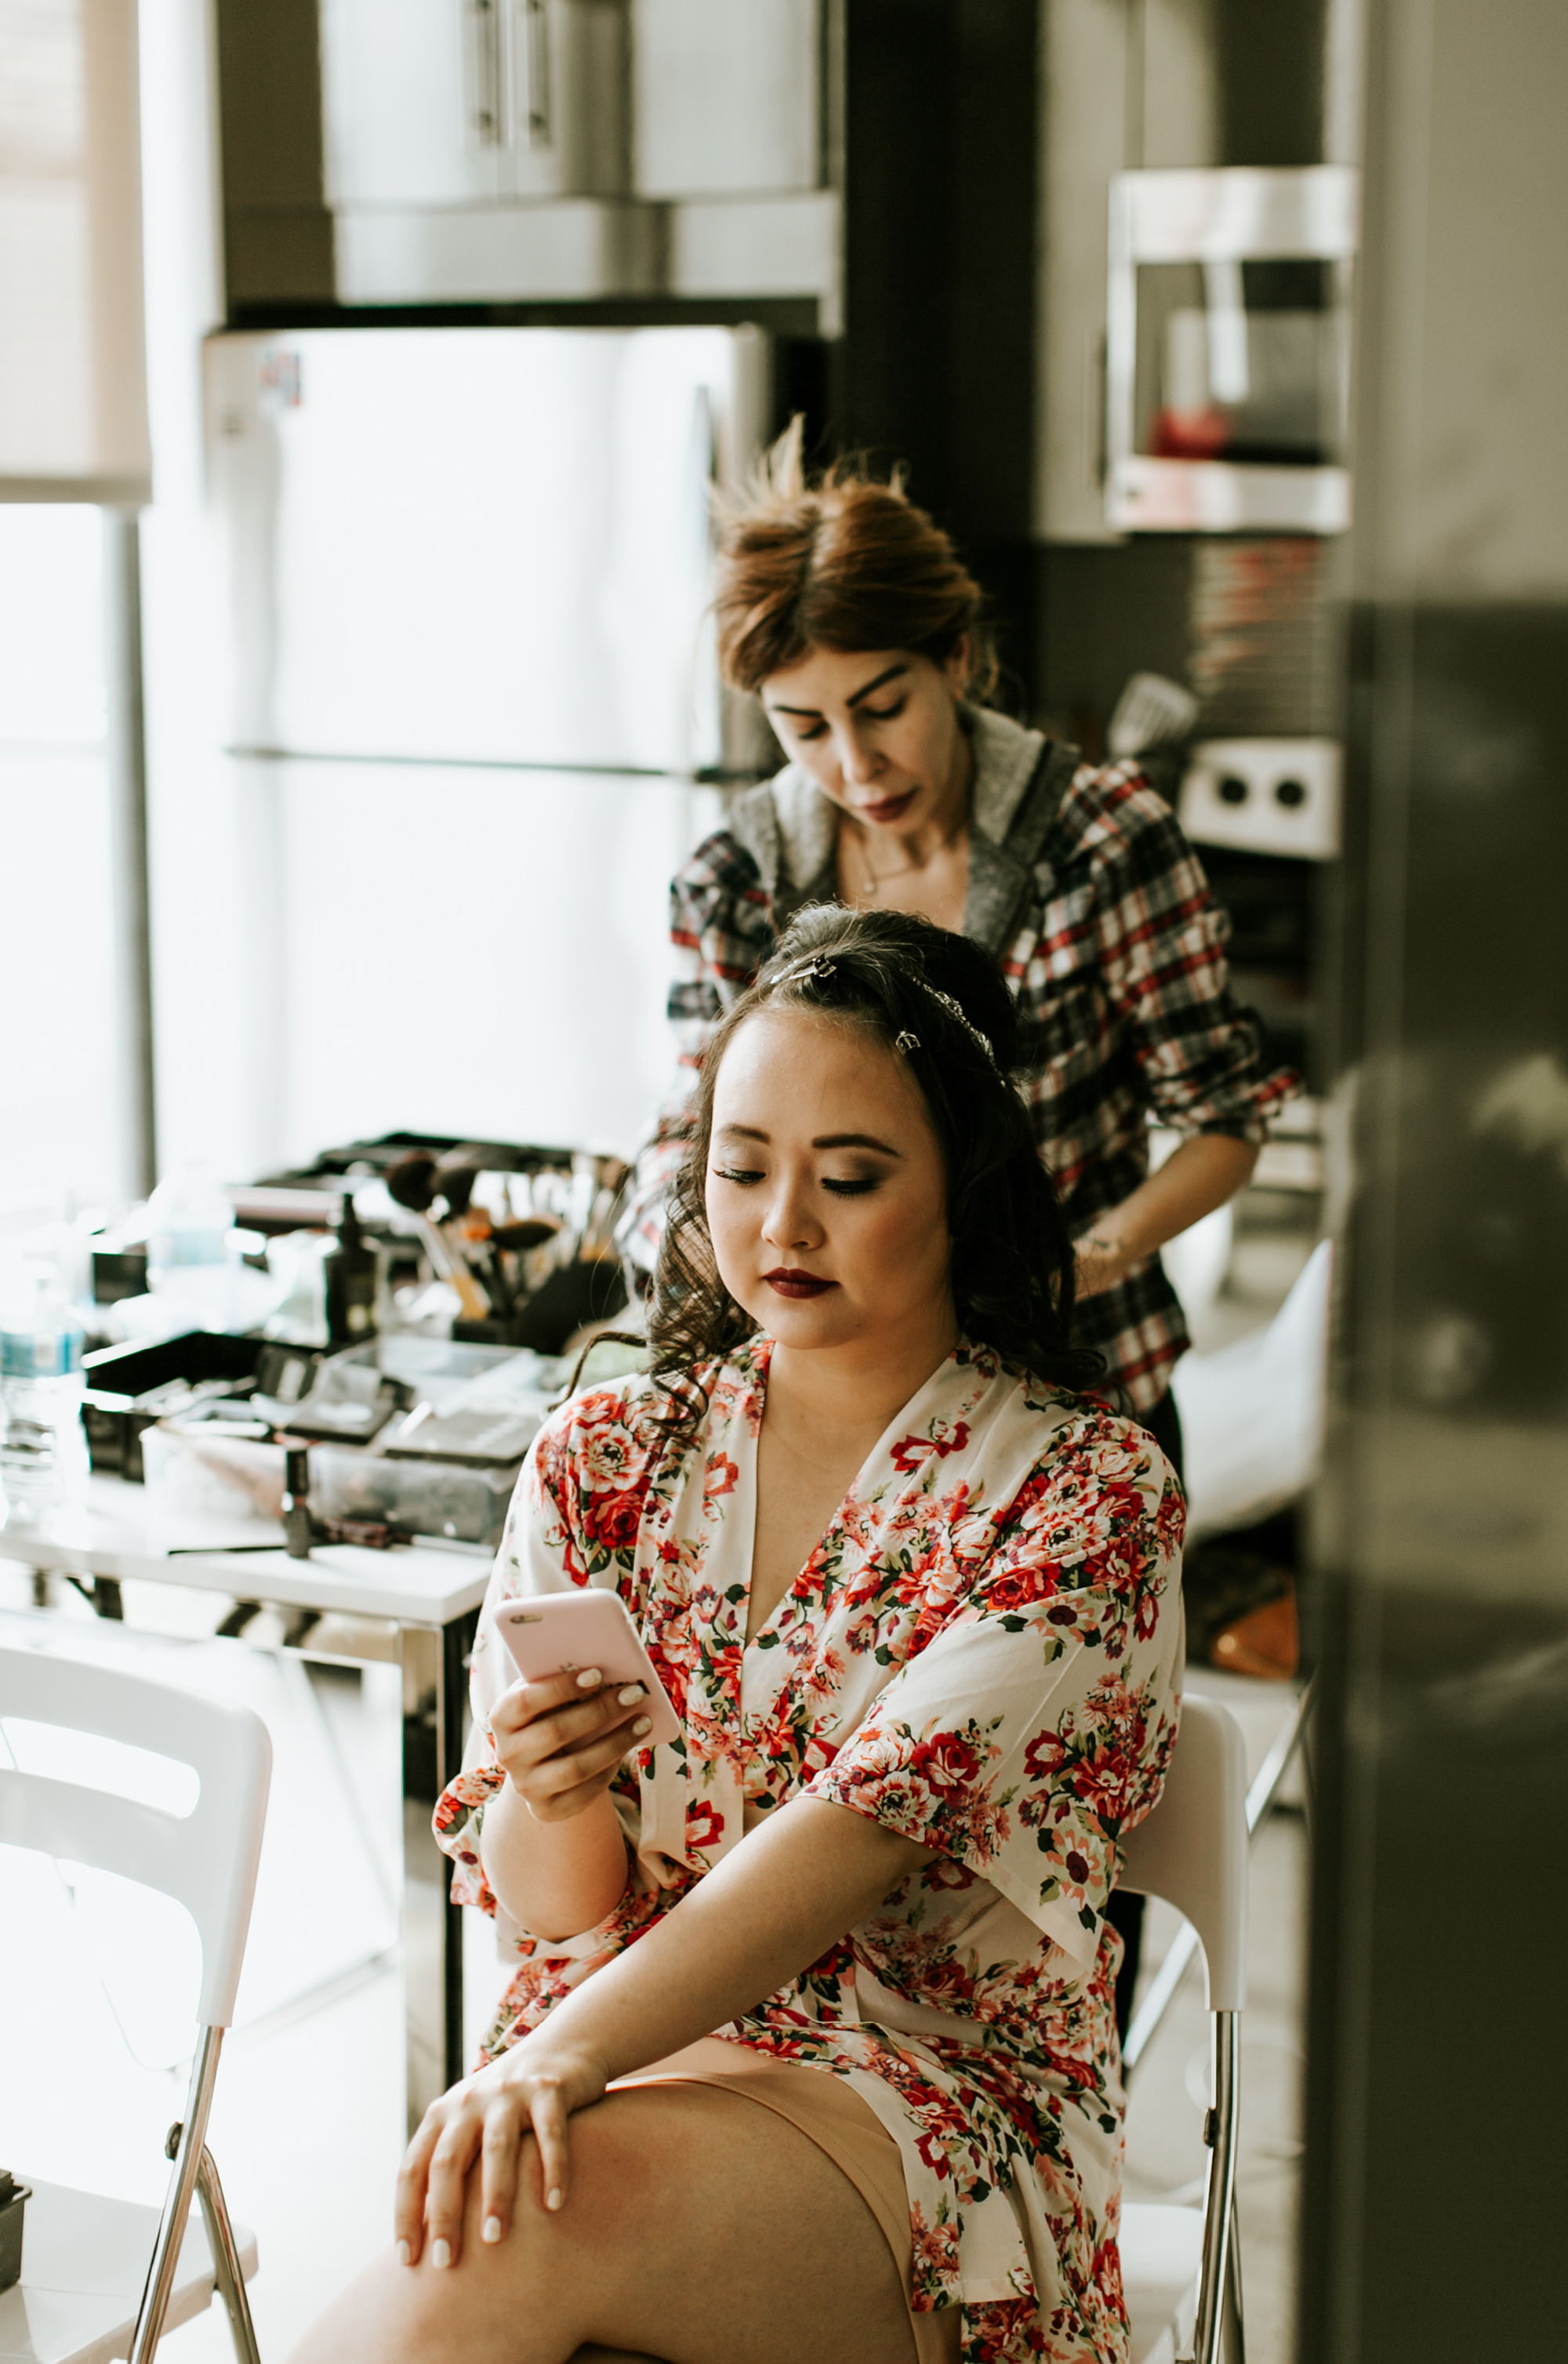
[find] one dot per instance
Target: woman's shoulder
(617, 1432)
(625, 1406)
(1112, 816)
(780, 833)
(1081, 1441)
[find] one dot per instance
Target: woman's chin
(806, 1321)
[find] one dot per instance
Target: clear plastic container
(430, 1498)
(43, 1446)
(189, 1219)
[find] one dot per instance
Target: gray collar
(791, 828)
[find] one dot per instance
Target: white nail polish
(404, 2253)
(491, 2228)
(632, 1693)
(644, 1723)
(440, 2254)
(554, 2199)
(588, 1678)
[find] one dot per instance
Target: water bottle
(43, 1448)
(189, 1218)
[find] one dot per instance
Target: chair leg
(1234, 2334)
(184, 2148)
(226, 2260)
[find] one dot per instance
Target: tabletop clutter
(394, 1397)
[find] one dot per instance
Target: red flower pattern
(976, 1654)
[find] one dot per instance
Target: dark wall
(277, 231)
(936, 367)
(1272, 57)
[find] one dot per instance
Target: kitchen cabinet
(726, 98)
(442, 102)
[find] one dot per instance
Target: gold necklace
(876, 878)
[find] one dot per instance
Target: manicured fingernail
(554, 2198)
(644, 1723)
(632, 1693)
(405, 2254)
(491, 2228)
(589, 1676)
(440, 2254)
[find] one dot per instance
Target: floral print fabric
(982, 1653)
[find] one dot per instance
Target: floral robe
(983, 1653)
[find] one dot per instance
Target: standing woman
(846, 611)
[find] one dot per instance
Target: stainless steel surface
(1219, 2203)
(1217, 220)
(533, 589)
(1436, 2135)
(227, 2267)
(165, 2259)
(128, 850)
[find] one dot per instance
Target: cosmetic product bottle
(297, 1521)
(350, 1271)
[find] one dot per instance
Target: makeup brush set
(523, 1237)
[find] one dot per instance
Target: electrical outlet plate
(1268, 795)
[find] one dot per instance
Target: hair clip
(906, 1041)
(817, 966)
(957, 1011)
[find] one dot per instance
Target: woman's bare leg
(700, 2228)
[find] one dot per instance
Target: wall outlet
(1269, 795)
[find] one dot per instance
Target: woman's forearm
(555, 1880)
(1200, 1175)
(786, 1893)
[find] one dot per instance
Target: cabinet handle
(484, 31)
(537, 109)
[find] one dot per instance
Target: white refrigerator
(473, 711)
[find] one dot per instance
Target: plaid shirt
(1083, 883)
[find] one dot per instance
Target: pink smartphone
(553, 1632)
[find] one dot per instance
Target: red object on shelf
(1189, 434)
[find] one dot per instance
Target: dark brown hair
(944, 1002)
(842, 562)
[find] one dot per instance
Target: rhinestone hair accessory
(955, 1011)
(819, 966)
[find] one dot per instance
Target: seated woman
(809, 2051)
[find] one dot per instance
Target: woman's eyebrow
(855, 1141)
(893, 672)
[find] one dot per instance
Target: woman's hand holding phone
(560, 1741)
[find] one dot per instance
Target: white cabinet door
(414, 102)
(566, 67)
(454, 102)
(727, 97)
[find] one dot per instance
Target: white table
(429, 1596)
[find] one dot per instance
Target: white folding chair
(1181, 2267)
(84, 2259)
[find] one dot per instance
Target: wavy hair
(942, 1003)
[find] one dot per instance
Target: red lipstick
(887, 809)
(787, 1282)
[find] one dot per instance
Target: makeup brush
(411, 1182)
